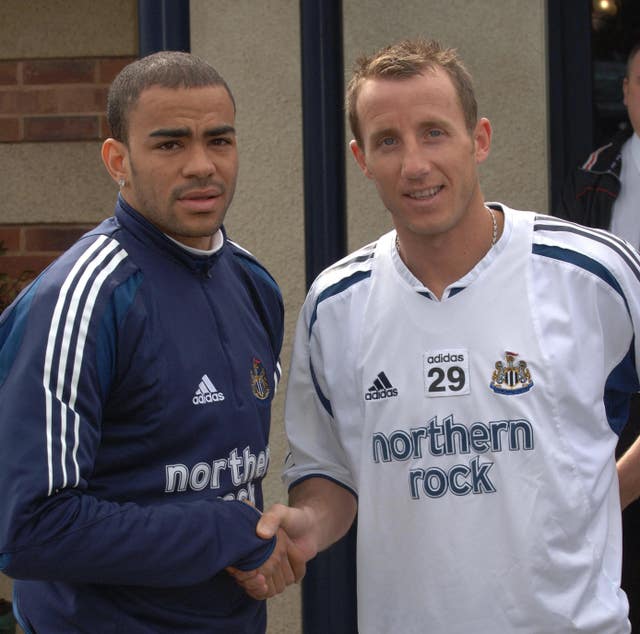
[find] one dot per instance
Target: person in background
(604, 192)
(461, 382)
(136, 379)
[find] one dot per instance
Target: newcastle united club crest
(259, 383)
(513, 377)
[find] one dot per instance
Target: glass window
(615, 28)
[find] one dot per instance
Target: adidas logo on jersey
(206, 392)
(380, 389)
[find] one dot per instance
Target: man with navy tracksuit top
(136, 379)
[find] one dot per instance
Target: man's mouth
(200, 194)
(425, 193)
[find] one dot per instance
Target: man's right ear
(115, 158)
(358, 154)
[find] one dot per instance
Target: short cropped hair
(168, 69)
(406, 59)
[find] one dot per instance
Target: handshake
(321, 512)
(295, 545)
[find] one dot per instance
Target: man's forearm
(629, 475)
(332, 509)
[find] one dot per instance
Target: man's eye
(221, 141)
(168, 145)
(434, 133)
(387, 141)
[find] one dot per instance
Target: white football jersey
(477, 432)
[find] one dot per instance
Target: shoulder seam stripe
(240, 248)
(355, 259)
(582, 261)
(335, 289)
(248, 258)
(616, 244)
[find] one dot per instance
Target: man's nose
(200, 162)
(415, 162)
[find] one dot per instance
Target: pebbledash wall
(53, 189)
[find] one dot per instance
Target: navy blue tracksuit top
(136, 382)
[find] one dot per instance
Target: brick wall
(28, 250)
(55, 99)
(48, 100)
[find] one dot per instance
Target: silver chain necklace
(494, 222)
(494, 229)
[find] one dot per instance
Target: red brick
(59, 71)
(8, 73)
(60, 128)
(81, 99)
(56, 238)
(30, 101)
(17, 265)
(10, 237)
(108, 68)
(9, 130)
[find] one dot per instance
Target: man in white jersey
(461, 383)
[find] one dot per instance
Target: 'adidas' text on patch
(206, 392)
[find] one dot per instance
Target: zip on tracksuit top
(136, 382)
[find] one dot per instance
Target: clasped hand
(287, 563)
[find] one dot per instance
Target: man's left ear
(482, 139)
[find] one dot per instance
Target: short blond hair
(409, 58)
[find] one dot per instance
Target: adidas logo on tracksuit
(380, 389)
(206, 392)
